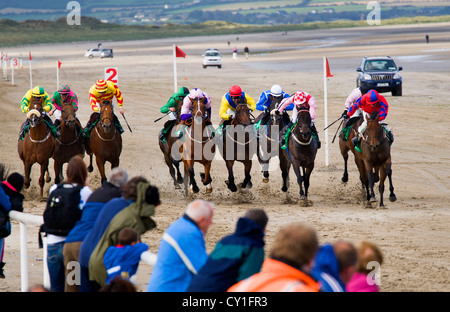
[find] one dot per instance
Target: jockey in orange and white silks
(100, 91)
(300, 99)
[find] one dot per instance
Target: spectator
(77, 177)
(123, 259)
(246, 51)
(363, 280)
(334, 265)
(119, 284)
(288, 268)
(107, 213)
(235, 51)
(235, 257)
(182, 250)
(136, 216)
(112, 188)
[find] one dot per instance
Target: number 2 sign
(111, 74)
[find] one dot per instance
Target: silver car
(96, 52)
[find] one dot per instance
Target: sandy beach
(412, 232)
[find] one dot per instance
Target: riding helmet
(64, 89)
(38, 92)
(101, 85)
(235, 91)
(299, 97)
(276, 91)
(372, 97)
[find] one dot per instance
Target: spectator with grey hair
(112, 188)
(182, 251)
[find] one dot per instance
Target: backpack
(62, 210)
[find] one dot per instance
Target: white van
(212, 57)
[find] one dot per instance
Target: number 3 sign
(111, 74)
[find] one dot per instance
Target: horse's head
(198, 109)
(374, 132)
(106, 115)
(304, 124)
(68, 114)
(35, 112)
(242, 115)
(275, 101)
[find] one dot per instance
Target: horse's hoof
(90, 168)
(372, 199)
(392, 198)
(265, 180)
(249, 184)
(303, 197)
(180, 180)
(209, 190)
(345, 179)
(177, 186)
(284, 189)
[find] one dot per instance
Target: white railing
(26, 219)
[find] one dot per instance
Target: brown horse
(37, 146)
(166, 149)
(268, 139)
(198, 146)
(346, 146)
(105, 141)
(376, 156)
(239, 144)
(301, 153)
(70, 143)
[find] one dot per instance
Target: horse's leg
(44, 169)
(344, 152)
(58, 172)
(392, 196)
(299, 180)
(101, 167)
(382, 178)
(247, 183)
(192, 182)
(306, 176)
(371, 178)
(285, 166)
(179, 175)
(27, 168)
(230, 182)
(206, 177)
(264, 163)
(48, 178)
(90, 168)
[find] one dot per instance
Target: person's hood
(142, 209)
(248, 227)
(326, 262)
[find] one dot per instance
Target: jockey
(300, 99)
(354, 96)
(63, 95)
(46, 102)
(369, 103)
(172, 106)
(100, 91)
(195, 93)
(265, 100)
(229, 102)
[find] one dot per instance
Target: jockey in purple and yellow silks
(104, 90)
(60, 97)
(46, 102)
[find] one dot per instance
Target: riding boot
(283, 134)
(57, 123)
(87, 129)
(52, 127)
(24, 129)
(2, 274)
(180, 132)
(118, 125)
(355, 140)
(313, 128)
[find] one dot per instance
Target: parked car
(212, 57)
(96, 52)
(381, 74)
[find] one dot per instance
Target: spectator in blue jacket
(182, 251)
(123, 259)
(107, 213)
(112, 188)
(334, 265)
(235, 257)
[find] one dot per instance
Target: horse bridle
(293, 132)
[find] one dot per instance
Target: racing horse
(239, 144)
(266, 140)
(70, 143)
(37, 146)
(376, 157)
(345, 146)
(166, 148)
(105, 141)
(198, 146)
(300, 153)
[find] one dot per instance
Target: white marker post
(325, 104)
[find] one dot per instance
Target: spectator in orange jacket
(289, 265)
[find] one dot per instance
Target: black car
(381, 74)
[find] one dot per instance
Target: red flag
(59, 64)
(29, 55)
(179, 52)
(328, 69)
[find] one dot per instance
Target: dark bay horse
(70, 143)
(37, 146)
(105, 141)
(301, 153)
(376, 156)
(346, 146)
(166, 149)
(239, 144)
(198, 146)
(268, 139)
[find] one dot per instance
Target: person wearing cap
(46, 102)
(301, 99)
(100, 91)
(64, 95)
(172, 106)
(229, 102)
(195, 93)
(369, 103)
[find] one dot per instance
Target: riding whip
(337, 130)
(332, 123)
(127, 123)
(162, 116)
